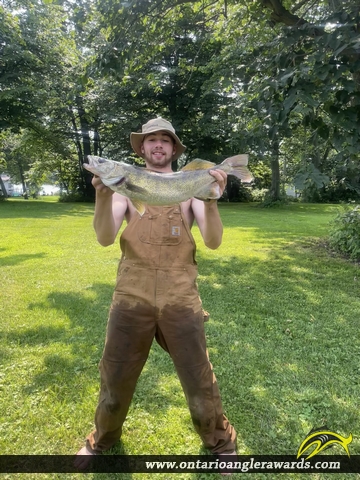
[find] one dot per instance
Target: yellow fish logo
(323, 439)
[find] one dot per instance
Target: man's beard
(161, 160)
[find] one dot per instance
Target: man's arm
(207, 215)
(110, 210)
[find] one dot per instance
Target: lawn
(283, 336)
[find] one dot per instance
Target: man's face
(158, 149)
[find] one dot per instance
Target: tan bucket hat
(152, 126)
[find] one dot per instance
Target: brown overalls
(156, 296)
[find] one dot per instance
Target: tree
(232, 78)
(42, 81)
(294, 77)
(316, 74)
(160, 54)
(32, 44)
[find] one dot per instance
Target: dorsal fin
(198, 164)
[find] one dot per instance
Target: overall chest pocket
(165, 228)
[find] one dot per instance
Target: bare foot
(83, 457)
(227, 457)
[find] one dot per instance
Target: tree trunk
(275, 174)
(84, 127)
(97, 145)
(87, 188)
(77, 139)
(3, 189)
(22, 177)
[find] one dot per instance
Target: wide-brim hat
(152, 126)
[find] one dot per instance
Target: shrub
(236, 192)
(74, 197)
(344, 235)
(268, 201)
(258, 194)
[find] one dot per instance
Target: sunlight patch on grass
(258, 390)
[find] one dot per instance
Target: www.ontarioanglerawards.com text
(221, 465)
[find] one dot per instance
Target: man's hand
(207, 214)
(100, 187)
(221, 178)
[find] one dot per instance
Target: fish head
(99, 166)
(111, 173)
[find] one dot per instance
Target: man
(156, 296)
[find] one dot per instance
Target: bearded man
(156, 296)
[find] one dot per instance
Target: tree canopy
(273, 78)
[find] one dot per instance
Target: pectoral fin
(135, 189)
(140, 207)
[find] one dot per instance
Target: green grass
(283, 336)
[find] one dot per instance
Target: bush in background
(258, 194)
(344, 235)
(75, 197)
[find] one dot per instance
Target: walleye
(143, 186)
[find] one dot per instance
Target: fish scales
(165, 188)
(143, 186)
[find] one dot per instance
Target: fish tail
(238, 165)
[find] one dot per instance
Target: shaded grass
(282, 335)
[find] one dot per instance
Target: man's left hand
(221, 178)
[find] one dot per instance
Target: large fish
(145, 186)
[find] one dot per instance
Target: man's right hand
(100, 188)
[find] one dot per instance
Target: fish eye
(101, 160)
